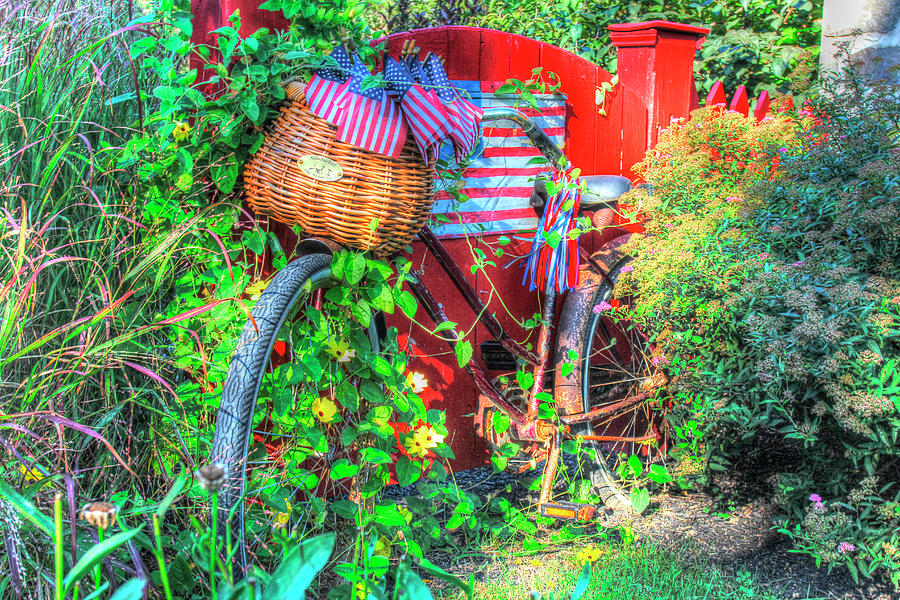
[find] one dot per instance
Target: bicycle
(609, 398)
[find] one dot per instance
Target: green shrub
(763, 44)
(776, 293)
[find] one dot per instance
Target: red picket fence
(740, 101)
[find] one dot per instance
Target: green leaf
(635, 466)
(375, 456)
(381, 297)
(499, 462)
(299, 568)
(640, 499)
(410, 585)
(341, 469)
(408, 471)
(225, 175)
(95, 555)
(444, 326)
(355, 269)
(500, 422)
(362, 312)
(348, 396)
(345, 508)
(170, 497)
(659, 474)
(133, 589)
(463, 352)
(443, 575)
(407, 303)
(250, 108)
(584, 580)
(27, 509)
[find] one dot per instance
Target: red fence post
(656, 61)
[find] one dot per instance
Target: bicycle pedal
(496, 357)
(568, 511)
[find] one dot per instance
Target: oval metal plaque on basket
(320, 168)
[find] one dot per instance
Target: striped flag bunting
(466, 115)
(369, 118)
(553, 259)
(327, 88)
(426, 115)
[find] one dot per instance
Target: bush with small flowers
(769, 275)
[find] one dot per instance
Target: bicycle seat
(602, 191)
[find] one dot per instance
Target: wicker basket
(302, 175)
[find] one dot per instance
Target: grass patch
(623, 572)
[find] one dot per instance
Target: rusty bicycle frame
(527, 426)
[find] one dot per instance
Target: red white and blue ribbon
(552, 262)
(419, 99)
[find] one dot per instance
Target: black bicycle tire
(234, 420)
(577, 327)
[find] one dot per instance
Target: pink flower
(845, 547)
(658, 359)
(818, 507)
(799, 263)
(626, 269)
(734, 199)
(602, 307)
(815, 498)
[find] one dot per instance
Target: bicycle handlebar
(540, 139)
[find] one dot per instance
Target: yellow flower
(281, 520)
(416, 381)
(256, 289)
(340, 350)
(536, 563)
(362, 590)
(181, 132)
(32, 474)
(427, 437)
(324, 409)
(589, 554)
(415, 447)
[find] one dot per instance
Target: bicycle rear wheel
(265, 427)
(618, 372)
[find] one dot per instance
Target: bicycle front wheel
(618, 374)
(273, 401)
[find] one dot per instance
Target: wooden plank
(634, 131)
(524, 57)
(763, 103)
(579, 82)
(252, 17)
(462, 62)
(716, 95)
(493, 61)
(740, 103)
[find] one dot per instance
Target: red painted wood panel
(716, 95)
(763, 103)
(740, 103)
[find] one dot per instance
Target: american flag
(369, 118)
(327, 88)
(499, 179)
(466, 115)
(427, 116)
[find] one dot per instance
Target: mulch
(742, 540)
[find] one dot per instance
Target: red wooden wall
(655, 84)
